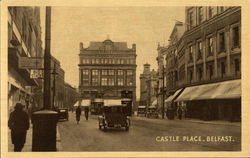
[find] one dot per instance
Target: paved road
(147, 135)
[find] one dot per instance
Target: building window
(129, 72)
(111, 72)
(210, 46)
(106, 61)
(104, 72)
(24, 28)
(191, 19)
(122, 61)
(104, 81)
(199, 54)
(94, 72)
(132, 61)
(120, 82)
(200, 72)
(85, 81)
(97, 61)
(221, 42)
(93, 61)
(223, 69)
(190, 76)
(222, 9)
(201, 15)
(120, 72)
(87, 61)
(111, 81)
(235, 37)
(210, 12)
(95, 81)
(237, 67)
(85, 72)
(102, 61)
(118, 61)
(211, 71)
(190, 53)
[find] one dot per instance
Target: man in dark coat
(86, 111)
(19, 124)
(78, 114)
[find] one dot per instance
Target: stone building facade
(208, 63)
(24, 40)
(107, 67)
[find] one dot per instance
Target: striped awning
(172, 97)
(221, 90)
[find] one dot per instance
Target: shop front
(216, 101)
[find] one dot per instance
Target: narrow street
(145, 135)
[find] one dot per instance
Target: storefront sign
(30, 63)
(36, 74)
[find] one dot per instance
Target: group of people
(79, 112)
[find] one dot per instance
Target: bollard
(44, 130)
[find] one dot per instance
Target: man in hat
(19, 124)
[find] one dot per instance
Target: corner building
(108, 68)
(209, 64)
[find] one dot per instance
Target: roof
(101, 45)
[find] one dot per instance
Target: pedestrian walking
(86, 112)
(18, 124)
(78, 114)
(179, 110)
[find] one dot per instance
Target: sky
(144, 26)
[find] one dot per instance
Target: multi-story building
(71, 96)
(209, 63)
(169, 66)
(24, 40)
(57, 83)
(148, 86)
(107, 67)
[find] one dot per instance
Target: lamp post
(45, 121)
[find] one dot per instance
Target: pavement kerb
(238, 124)
(58, 140)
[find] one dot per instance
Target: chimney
(134, 47)
(81, 46)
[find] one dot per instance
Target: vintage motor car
(114, 116)
(141, 110)
(63, 113)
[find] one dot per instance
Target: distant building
(148, 86)
(107, 67)
(71, 96)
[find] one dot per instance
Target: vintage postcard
(124, 78)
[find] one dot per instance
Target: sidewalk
(28, 145)
(215, 122)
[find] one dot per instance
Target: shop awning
(172, 97)
(221, 90)
(98, 100)
(85, 102)
(76, 104)
(112, 102)
(154, 102)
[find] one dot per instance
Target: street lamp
(45, 121)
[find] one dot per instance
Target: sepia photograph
(122, 78)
